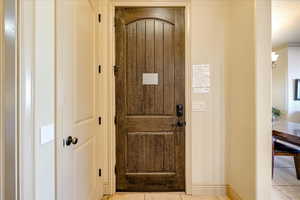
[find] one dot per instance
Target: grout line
(283, 194)
(284, 168)
(181, 196)
(293, 185)
(287, 185)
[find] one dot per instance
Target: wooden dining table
(288, 132)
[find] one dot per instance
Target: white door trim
(1, 131)
(111, 88)
(9, 100)
(26, 100)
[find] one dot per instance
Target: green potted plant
(276, 113)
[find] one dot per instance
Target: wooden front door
(150, 89)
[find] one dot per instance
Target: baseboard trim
(232, 194)
(107, 189)
(209, 190)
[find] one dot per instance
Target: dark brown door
(150, 58)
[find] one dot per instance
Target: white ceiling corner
(285, 22)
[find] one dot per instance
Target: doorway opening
(285, 101)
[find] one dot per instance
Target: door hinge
(99, 69)
(115, 120)
(99, 18)
(99, 120)
(116, 69)
(100, 172)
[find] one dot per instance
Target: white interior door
(78, 112)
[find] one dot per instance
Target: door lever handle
(179, 123)
(71, 140)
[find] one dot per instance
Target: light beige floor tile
(223, 198)
(285, 184)
(162, 196)
(285, 176)
(126, 196)
(185, 197)
(278, 195)
(292, 192)
(284, 161)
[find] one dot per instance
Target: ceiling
(285, 22)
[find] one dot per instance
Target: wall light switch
(47, 133)
(199, 107)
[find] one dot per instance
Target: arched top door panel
(136, 14)
(150, 87)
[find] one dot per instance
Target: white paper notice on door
(150, 78)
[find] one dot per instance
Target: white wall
(222, 35)
(223, 147)
(283, 82)
(293, 73)
(248, 100)
(208, 25)
(27, 60)
(208, 128)
(263, 100)
(280, 83)
(44, 98)
(240, 98)
(1, 110)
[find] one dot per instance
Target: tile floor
(285, 187)
(285, 184)
(160, 196)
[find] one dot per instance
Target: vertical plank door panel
(150, 146)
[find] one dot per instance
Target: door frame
(26, 101)
(9, 123)
(1, 110)
(111, 90)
